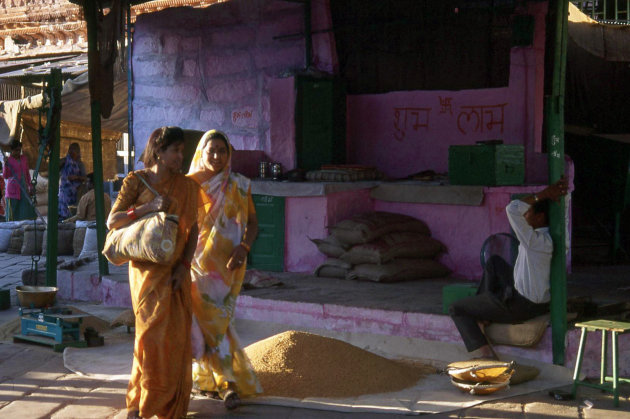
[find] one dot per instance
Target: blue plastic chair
(500, 244)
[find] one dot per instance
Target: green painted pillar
(554, 119)
(90, 11)
(53, 134)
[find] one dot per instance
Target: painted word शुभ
(419, 118)
(470, 118)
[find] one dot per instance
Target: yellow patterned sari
(219, 361)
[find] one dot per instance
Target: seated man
(507, 295)
(86, 210)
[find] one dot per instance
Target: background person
(15, 171)
(86, 210)
(227, 228)
(71, 176)
(513, 295)
(161, 376)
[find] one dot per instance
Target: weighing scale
(53, 326)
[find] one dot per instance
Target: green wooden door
(320, 122)
(268, 250)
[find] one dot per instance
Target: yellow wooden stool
(606, 382)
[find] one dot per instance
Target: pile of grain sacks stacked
(381, 247)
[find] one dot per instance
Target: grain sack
(33, 238)
(65, 237)
(6, 230)
(42, 199)
(43, 210)
(399, 270)
(77, 240)
(16, 240)
(330, 246)
(299, 365)
(394, 246)
(42, 185)
(369, 226)
(90, 245)
(526, 334)
(333, 268)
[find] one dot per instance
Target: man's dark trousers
(497, 301)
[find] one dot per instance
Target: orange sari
(161, 381)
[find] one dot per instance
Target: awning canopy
(76, 126)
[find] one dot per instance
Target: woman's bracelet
(246, 246)
(131, 213)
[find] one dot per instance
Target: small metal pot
(276, 171)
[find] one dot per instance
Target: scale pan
(36, 297)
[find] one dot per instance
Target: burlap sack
(16, 240)
(367, 227)
(33, 238)
(42, 185)
(90, 244)
(6, 231)
(77, 240)
(42, 199)
(65, 237)
(333, 268)
(330, 246)
(394, 246)
(527, 333)
(399, 270)
(43, 210)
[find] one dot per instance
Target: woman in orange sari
(160, 381)
(227, 228)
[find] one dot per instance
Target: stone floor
(35, 384)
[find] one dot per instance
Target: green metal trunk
(488, 165)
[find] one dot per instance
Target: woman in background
(161, 376)
(18, 178)
(72, 175)
(227, 228)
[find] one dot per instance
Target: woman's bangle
(246, 246)
(186, 263)
(131, 213)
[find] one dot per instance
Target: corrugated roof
(71, 66)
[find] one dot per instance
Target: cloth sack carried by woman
(151, 238)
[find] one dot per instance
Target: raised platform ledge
(304, 189)
(114, 291)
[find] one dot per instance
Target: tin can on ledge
(263, 169)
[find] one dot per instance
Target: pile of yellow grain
(298, 364)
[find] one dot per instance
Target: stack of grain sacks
(41, 194)
(381, 247)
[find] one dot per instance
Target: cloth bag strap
(147, 185)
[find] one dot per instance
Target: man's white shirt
(533, 263)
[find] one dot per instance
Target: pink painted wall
(409, 131)
(304, 218)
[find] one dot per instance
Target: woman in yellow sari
(161, 383)
(227, 228)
